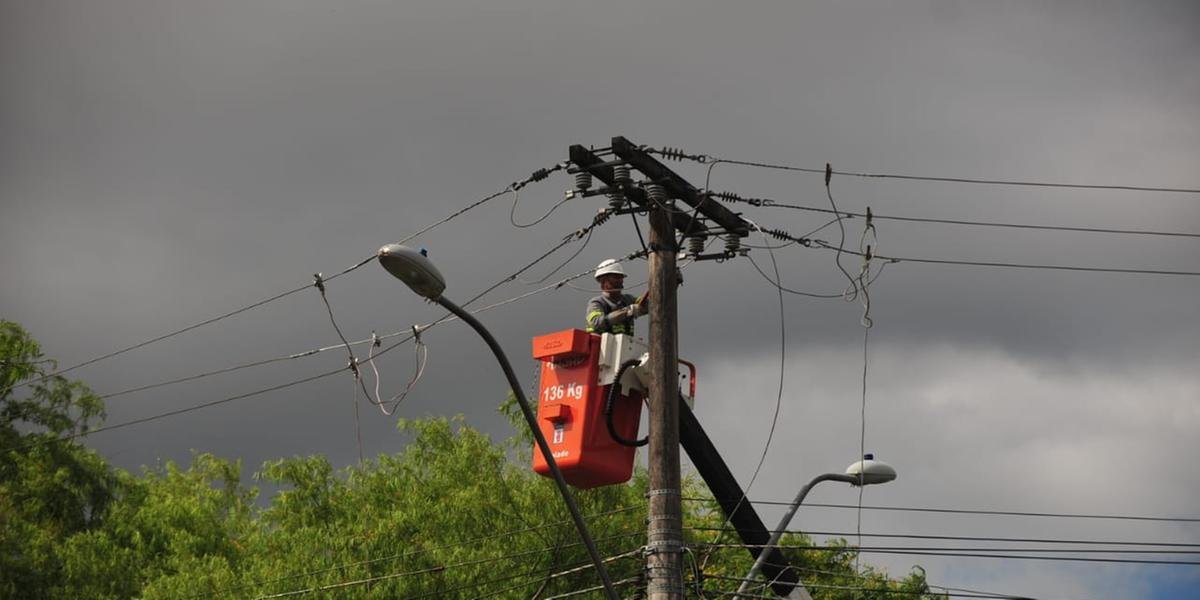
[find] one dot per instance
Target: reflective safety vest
(597, 314)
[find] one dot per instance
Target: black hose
(608, 407)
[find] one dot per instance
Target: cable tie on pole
(319, 282)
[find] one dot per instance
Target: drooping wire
(375, 340)
(865, 248)
(421, 355)
(852, 292)
(352, 365)
(512, 213)
(833, 295)
(778, 398)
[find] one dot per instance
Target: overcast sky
(164, 162)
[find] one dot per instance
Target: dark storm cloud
(163, 162)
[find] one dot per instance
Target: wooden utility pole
(664, 547)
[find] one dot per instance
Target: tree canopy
(452, 515)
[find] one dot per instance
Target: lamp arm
(777, 534)
(513, 383)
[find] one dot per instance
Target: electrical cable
(172, 412)
(432, 570)
(512, 214)
(977, 512)
(410, 553)
(372, 340)
(818, 586)
(850, 295)
(966, 554)
(238, 397)
(179, 331)
(352, 365)
(586, 240)
(536, 176)
(765, 202)
(704, 158)
(867, 323)
(966, 538)
(898, 259)
(820, 548)
(778, 398)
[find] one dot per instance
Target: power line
(977, 538)
(766, 202)
(410, 553)
(874, 590)
(1035, 266)
(979, 512)
(966, 554)
(704, 158)
(173, 412)
(536, 176)
(304, 354)
(439, 569)
(859, 548)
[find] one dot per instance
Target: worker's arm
(599, 322)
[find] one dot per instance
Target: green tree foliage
(451, 515)
(49, 491)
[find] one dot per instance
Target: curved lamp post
(867, 471)
(417, 271)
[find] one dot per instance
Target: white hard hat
(609, 266)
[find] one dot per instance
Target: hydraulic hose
(608, 407)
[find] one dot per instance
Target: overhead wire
(705, 158)
(176, 332)
(172, 413)
(768, 203)
(411, 553)
(1035, 266)
(538, 175)
(873, 590)
(346, 344)
(1008, 513)
(512, 214)
(778, 398)
(970, 538)
(438, 569)
(372, 340)
(966, 553)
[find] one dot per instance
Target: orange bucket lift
(592, 427)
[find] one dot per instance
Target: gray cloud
(161, 163)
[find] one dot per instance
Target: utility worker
(613, 311)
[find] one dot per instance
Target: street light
(417, 271)
(867, 471)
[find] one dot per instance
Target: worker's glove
(638, 309)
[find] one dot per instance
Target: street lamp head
(413, 268)
(869, 471)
